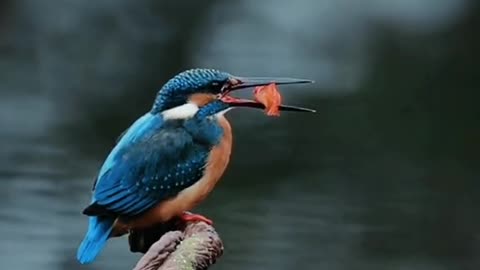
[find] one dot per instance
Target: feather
(151, 165)
(99, 229)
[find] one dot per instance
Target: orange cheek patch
(202, 99)
(269, 96)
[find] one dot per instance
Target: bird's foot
(190, 217)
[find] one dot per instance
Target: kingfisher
(169, 159)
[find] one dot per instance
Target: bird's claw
(190, 217)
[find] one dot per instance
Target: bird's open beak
(240, 102)
(238, 83)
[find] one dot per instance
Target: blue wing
(153, 161)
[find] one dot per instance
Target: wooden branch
(177, 246)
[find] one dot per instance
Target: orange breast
(193, 195)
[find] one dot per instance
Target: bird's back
(189, 197)
(156, 160)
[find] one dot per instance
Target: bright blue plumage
(153, 168)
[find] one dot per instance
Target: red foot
(190, 217)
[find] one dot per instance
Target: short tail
(99, 229)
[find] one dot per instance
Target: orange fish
(269, 96)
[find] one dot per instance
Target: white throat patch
(184, 111)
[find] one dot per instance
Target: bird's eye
(215, 84)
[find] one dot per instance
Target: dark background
(384, 176)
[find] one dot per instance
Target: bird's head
(189, 90)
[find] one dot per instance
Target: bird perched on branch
(169, 159)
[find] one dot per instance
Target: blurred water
(384, 176)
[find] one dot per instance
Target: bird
(170, 158)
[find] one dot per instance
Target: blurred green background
(384, 176)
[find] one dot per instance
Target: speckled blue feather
(157, 159)
(177, 89)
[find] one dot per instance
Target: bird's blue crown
(177, 90)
